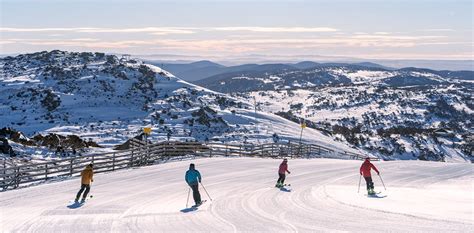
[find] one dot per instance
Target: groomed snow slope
(421, 196)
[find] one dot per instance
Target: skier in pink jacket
(282, 173)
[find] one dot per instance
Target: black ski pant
(86, 187)
(369, 182)
(196, 194)
(281, 178)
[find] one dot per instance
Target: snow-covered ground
(420, 197)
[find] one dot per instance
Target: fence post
(46, 172)
(4, 171)
(291, 150)
(70, 166)
(17, 177)
(148, 154)
(142, 155)
(131, 159)
(226, 148)
(165, 150)
(240, 150)
(113, 162)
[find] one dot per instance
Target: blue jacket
(192, 177)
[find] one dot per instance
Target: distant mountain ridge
(203, 69)
(282, 76)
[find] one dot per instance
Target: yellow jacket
(87, 175)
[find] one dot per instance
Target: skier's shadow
(75, 205)
(190, 209)
(285, 189)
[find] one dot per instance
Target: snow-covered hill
(420, 197)
(407, 113)
(108, 100)
(428, 123)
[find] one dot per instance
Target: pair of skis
(202, 202)
(193, 208)
(80, 203)
(373, 194)
(376, 195)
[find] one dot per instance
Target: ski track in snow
(323, 198)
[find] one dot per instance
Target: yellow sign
(303, 125)
(147, 130)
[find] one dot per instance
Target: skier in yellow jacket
(86, 179)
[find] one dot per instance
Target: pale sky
(394, 29)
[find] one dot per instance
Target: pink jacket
(365, 169)
(283, 168)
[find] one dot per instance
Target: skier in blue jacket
(193, 178)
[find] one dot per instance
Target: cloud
(249, 43)
(382, 33)
(9, 29)
(395, 37)
(224, 40)
(151, 30)
(275, 29)
(85, 39)
(171, 30)
(438, 30)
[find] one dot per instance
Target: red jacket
(283, 168)
(365, 168)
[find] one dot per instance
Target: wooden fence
(141, 154)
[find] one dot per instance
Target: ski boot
(279, 185)
(371, 192)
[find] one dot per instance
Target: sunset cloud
(249, 43)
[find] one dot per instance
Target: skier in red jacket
(281, 173)
(365, 171)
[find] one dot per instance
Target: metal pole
(382, 181)
(301, 134)
(255, 108)
(187, 200)
(358, 189)
(206, 191)
(147, 149)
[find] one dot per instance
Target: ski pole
(206, 191)
(358, 189)
(187, 200)
(382, 181)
